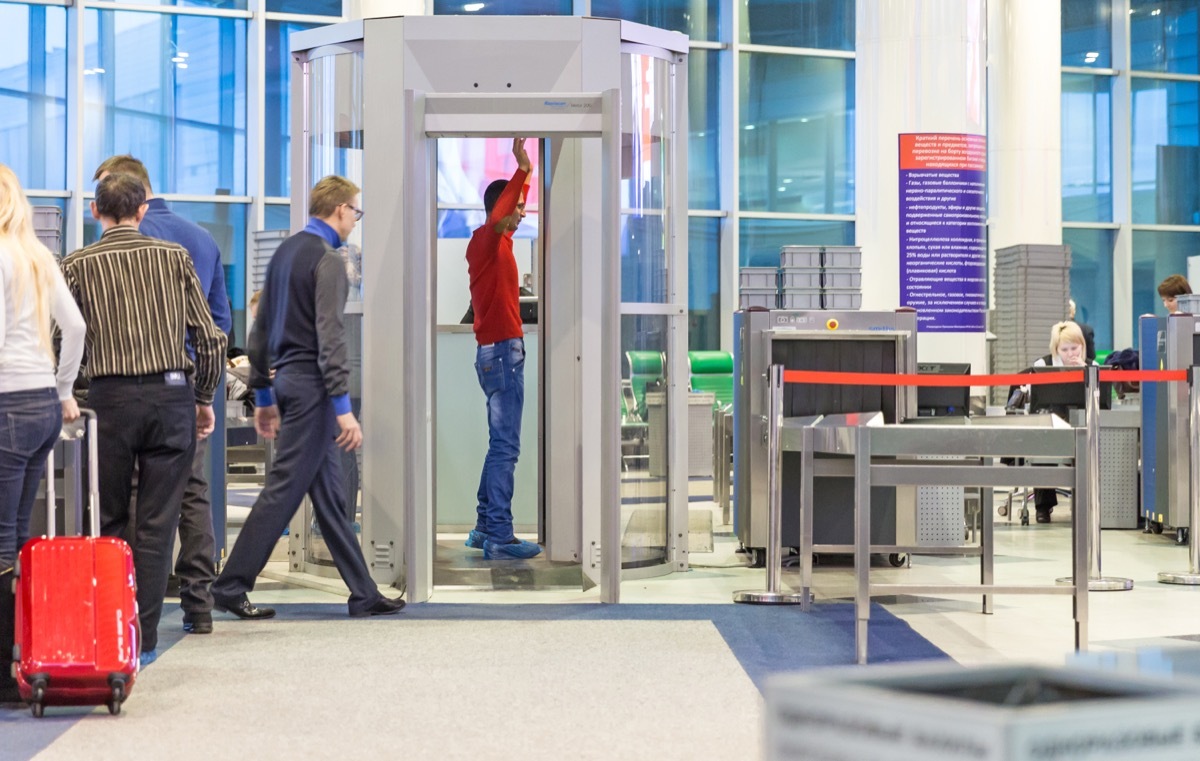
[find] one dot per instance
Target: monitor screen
(529, 309)
(1065, 396)
(941, 401)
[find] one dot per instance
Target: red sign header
(936, 150)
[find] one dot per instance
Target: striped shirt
(139, 296)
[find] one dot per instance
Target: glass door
(654, 479)
(334, 145)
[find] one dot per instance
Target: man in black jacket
(299, 334)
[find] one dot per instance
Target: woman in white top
(35, 397)
(1067, 349)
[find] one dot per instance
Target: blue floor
(765, 639)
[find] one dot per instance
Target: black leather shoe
(197, 623)
(242, 607)
(1043, 515)
(382, 608)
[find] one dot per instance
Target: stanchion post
(1192, 577)
(1097, 582)
(772, 595)
(1093, 475)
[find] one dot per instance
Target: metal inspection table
(877, 454)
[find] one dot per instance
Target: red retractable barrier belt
(1008, 379)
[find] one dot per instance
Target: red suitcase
(77, 633)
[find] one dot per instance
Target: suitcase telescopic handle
(86, 429)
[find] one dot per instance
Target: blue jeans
(29, 425)
(501, 370)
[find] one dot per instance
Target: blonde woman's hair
(1065, 332)
(33, 264)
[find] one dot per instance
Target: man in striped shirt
(196, 564)
(139, 296)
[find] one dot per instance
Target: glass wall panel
(1087, 148)
(761, 239)
(227, 224)
(698, 19)
(1092, 281)
(466, 166)
(277, 126)
(704, 129)
(1162, 35)
(335, 146)
(503, 7)
(227, 5)
(704, 283)
(1155, 256)
(171, 90)
(1087, 33)
(277, 216)
(312, 7)
(644, 437)
(646, 182)
(33, 94)
(1166, 154)
(796, 131)
(822, 24)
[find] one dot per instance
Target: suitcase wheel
(118, 697)
(39, 694)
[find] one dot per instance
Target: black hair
(119, 196)
(492, 194)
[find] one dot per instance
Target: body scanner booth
(399, 106)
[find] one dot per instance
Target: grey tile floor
(1021, 628)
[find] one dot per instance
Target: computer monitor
(1060, 397)
(943, 401)
(529, 309)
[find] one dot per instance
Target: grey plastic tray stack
(47, 226)
(1189, 303)
(1031, 285)
(758, 287)
(265, 243)
(820, 277)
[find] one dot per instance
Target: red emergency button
(831, 324)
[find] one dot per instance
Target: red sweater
(495, 285)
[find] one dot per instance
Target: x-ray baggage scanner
(878, 342)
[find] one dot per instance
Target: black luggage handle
(73, 432)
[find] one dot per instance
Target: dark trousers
(306, 462)
(8, 685)
(143, 420)
(195, 566)
(350, 475)
(1045, 499)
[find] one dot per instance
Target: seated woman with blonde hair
(1067, 349)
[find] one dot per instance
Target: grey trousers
(196, 566)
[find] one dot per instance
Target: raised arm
(504, 214)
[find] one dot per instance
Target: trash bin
(924, 712)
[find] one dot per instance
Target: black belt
(170, 377)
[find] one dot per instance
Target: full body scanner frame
(545, 77)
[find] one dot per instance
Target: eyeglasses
(358, 213)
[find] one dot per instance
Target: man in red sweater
(499, 359)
